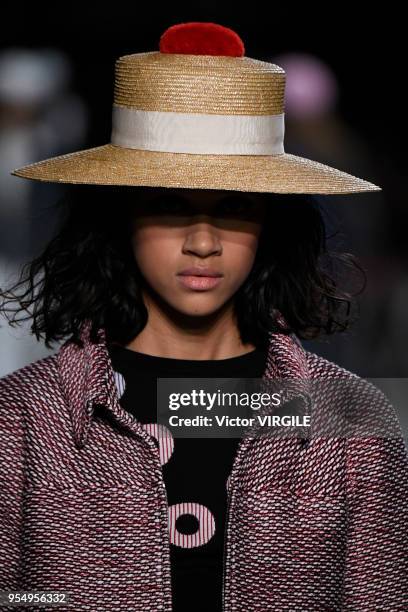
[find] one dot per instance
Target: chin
(197, 310)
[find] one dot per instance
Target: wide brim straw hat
(197, 113)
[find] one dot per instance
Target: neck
(169, 333)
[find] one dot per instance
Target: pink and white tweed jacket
(83, 507)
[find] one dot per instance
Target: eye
(169, 205)
(235, 206)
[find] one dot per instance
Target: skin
(177, 228)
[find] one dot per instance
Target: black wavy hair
(88, 271)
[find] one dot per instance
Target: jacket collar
(87, 377)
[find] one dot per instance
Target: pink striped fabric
(204, 517)
(83, 507)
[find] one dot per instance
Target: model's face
(175, 229)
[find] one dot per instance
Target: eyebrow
(181, 198)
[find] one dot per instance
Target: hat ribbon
(197, 132)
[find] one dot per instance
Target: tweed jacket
(314, 527)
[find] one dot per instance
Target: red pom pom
(201, 38)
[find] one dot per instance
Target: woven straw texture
(83, 504)
(114, 165)
(199, 84)
(204, 84)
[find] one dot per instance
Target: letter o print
(206, 525)
(120, 383)
(164, 437)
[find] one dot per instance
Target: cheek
(239, 257)
(155, 253)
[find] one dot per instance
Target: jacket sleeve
(376, 572)
(11, 487)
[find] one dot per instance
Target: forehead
(198, 196)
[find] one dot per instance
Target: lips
(197, 271)
(199, 283)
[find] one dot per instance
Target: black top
(195, 470)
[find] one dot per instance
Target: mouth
(199, 283)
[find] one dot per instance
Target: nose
(202, 239)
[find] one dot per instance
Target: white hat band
(198, 133)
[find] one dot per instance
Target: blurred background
(343, 107)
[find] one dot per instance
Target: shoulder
(321, 367)
(34, 380)
(366, 407)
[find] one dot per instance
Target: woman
(189, 271)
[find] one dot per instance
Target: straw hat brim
(113, 165)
